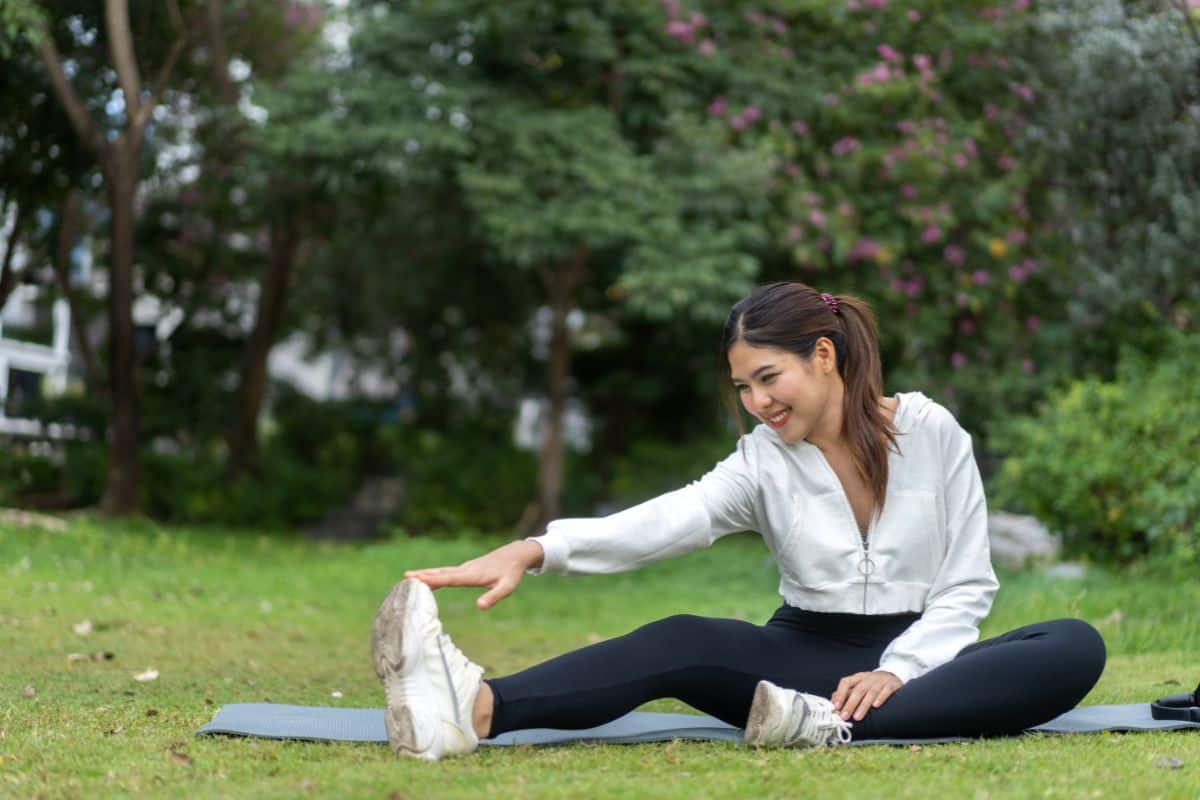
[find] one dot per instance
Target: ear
(824, 356)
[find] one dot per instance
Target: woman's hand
(500, 570)
(858, 693)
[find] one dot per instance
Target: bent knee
(1083, 644)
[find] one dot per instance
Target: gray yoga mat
(309, 723)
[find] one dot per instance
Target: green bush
(1112, 466)
(471, 477)
(653, 466)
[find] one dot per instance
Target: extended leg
(713, 665)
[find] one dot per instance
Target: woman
(874, 510)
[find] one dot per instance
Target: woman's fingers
(501, 590)
(448, 576)
(843, 690)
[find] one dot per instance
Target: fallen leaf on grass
(181, 758)
(1168, 763)
(82, 628)
(114, 731)
(148, 675)
(151, 712)
(29, 691)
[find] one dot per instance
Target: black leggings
(994, 687)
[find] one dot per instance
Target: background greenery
(1013, 187)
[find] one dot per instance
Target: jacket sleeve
(721, 502)
(965, 584)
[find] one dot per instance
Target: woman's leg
(998, 686)
(710, 664)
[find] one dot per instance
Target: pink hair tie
(832, 302)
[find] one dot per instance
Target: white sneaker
(787, 718)
(431, 686)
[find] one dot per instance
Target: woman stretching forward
(874, 510)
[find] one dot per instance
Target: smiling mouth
(778, 419)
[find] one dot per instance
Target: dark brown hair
(792, 316)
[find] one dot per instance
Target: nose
(759, 400)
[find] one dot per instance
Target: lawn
(227, 616)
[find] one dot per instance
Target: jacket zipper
(865, 565)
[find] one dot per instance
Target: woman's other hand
(500, 571)
(858, 693)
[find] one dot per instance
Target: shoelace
(817, 723)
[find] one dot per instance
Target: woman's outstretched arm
(500, 571)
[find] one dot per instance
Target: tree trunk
(243, 436)
(8, 277)
(68, 229)
(121, 492)
(560, 287)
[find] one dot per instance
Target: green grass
(227, 617)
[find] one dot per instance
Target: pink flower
(800, 127)
(1021, 5)
(954, 255)
(864, 250)
(1022, 91)
(914, 286)
(817, 218)
(923, 63)
(931, 234)
(718, 107)
(751, 114)
(1030, 266)
(908, 191)
(698, 20)
(967, 326)
(1027, 366)
(913, 15)
(778, 25)
(905, 126)
(961, 300)
(753, 17)
(961, 161)
(1015, 237)
(889, 53)
(991, 111)
(847, 144)
(795, 233)
(980, 277)
(877, 3)
(707, 47)
(738, 123)
(678, 29)
(811, 199)
(1032, 322)
(845, 209)
(958, 361)
(1016, 273)
(671, 7)
(970, 148)
(1006, 163)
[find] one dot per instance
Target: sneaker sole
(764, 714)
(396, 656)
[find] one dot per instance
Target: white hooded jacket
(927, 552)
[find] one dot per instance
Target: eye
(769, 378)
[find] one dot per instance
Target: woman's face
(788, 393)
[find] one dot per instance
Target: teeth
(779, 417)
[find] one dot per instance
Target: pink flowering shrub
(894, 129)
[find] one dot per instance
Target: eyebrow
(754, 374)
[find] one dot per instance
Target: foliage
(654, 466)
(1112, 465)
(469, 477)
(1116, 133)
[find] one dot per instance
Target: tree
(119, 160)
(579, 159)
